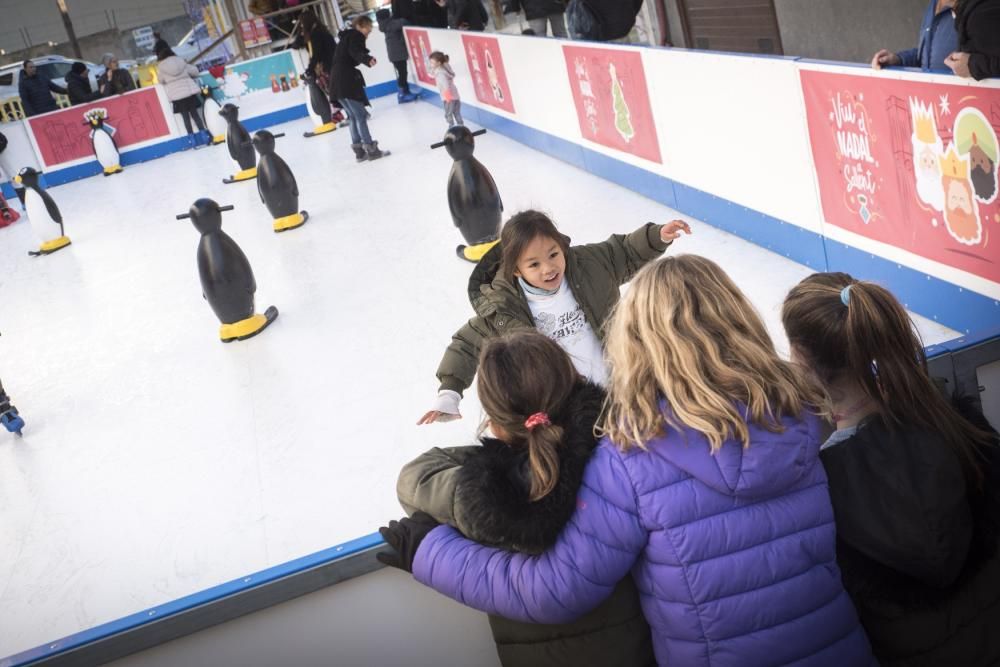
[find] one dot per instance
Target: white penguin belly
(104, 149)
(45, 228)
(216, 123)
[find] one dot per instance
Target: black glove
(405, 536)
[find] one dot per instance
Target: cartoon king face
(927, 149)
(961, 212)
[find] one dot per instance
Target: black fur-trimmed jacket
(483, 491)
(917, 548)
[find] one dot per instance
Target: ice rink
(156, 460)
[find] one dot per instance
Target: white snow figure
(927, 149)
(234, 84)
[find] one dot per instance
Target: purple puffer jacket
(733, 554)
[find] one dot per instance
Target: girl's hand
(672, 230)
(445, 408)
(437, 416)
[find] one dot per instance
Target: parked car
(54, 67)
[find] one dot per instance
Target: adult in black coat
(977, 23)
(465, 14)
(114, 80)
(35, 91)
(78, 85)
(614, 18)
(320, 44)
(348, 86)
(428, 13)
(539, 13)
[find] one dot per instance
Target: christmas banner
(612, 101)
(273, 73)
(63, 136)
(420, 48)
(910, 164)
(489, 77)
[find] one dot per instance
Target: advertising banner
(489, 78)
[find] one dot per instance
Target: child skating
(445, 77)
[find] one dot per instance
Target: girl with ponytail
(518, 490)
(913, 475)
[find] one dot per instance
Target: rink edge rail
(955, 360)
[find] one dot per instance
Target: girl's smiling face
(542, 264)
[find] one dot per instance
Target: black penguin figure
(43, 214)
(472, 196)
(320, 105)
(227, 281)
(239, 144)
(276, 185)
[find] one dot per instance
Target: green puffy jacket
(594, 271)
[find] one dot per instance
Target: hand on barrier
(958, 62)
(672, 230)
(885, 58)
(405, 536)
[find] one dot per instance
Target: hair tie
(535, 420)
(845, 296)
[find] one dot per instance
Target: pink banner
(63, 136)
(910, 164)
(612, 101)
(489, 78)
(420, 48)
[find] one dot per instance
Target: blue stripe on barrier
(153, 614)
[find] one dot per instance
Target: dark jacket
(322, 47)
(395, 41)
(78, 85)
(615, 17)
(594, 271)
(35, 94)
(427, 13)
(936, 41)
(483, 491)
(115, 82)
(467, 15)
(978, 25)
(346, 82)
(918, 549)
(534, 9)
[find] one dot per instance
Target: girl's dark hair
(519, 375)
(164, 53)
(438, 56)
(521, 230)
(872, 340)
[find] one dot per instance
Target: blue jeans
(358, 118)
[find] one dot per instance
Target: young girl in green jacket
(534, 279)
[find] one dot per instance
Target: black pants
(186, 116)
(401, 76)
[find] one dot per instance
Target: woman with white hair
(114, 80)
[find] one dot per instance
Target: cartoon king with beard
(975, 138)
(927, 149)
(961, 213)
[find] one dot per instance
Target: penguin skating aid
(105, 148)
(211, 114)
(43, 214)
(239, 144)
(227, 281)
(276, 185)
(318, 107)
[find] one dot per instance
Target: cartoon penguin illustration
(319, 108)
(240, 145)
(473, 198)
(105, 148)
(212, 114)
(227, 281)
(276, 185)
(43, 214)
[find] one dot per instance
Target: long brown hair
(519, 232)
(685, 333)
(519, 375)
(842, 326)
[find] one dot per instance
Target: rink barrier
(958, 361)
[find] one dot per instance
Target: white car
(54, 68)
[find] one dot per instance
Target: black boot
(359, 152)
(373, 152)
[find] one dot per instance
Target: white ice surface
(158, 461)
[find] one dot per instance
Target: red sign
(63, 136)
(612, 101)
(260, 28)
(910, 164)
(489, 78)
(420, 48)
(248, 33)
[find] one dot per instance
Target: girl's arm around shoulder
(596, 549)
(427, 483)
(624, 254)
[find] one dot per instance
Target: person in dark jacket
(321, 46)
(915, 482)
(518, 490)
(114, 80)
(35, 91)
(78, 85)
(428, 13)
(539, 13)
(937, 39)
(607, 20)
(978, 25)
(395, 44)
(348, 86)
(465, 14)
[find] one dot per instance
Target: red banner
(489, 78)
(248, 33)
(420, 48)
(63, 136)
(612, 101)
(910, 164)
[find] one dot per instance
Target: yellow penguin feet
(112, 170)
(290, 221)
(244, 175)
(249, 327)
(322, 129)
(474, 253)
(218, 139)
(50, 247)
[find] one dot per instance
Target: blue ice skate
(11, 420)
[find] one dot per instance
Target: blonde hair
(684, 333)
